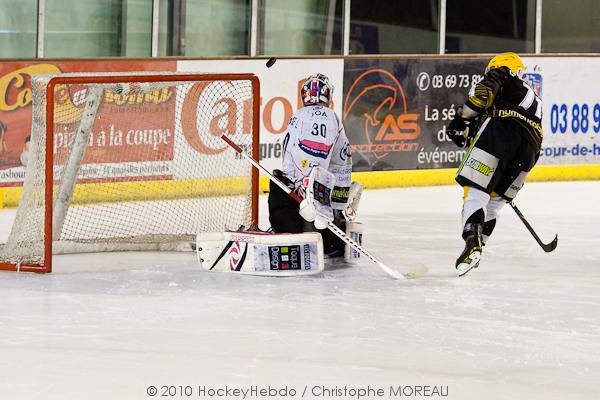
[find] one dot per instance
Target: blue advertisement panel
(571, 108)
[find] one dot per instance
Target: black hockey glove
(459, 131)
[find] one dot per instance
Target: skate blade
(473, 262)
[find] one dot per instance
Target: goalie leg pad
(354, 195)
(258, 253)
(355, 230)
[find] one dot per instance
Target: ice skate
(471, 255)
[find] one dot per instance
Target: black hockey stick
(546, 247)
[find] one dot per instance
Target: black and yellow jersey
(501, 93)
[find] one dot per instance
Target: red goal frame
(46, 265)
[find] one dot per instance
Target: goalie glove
(316, 206)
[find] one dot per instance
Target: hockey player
(315, 137)
(500, 123)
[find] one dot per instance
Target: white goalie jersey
(316, 137)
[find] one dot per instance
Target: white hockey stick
(332, 227)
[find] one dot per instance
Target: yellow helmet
(509, 60)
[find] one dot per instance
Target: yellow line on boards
(179, 189)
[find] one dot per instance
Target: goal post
(134, 161)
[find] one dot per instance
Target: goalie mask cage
(134, 161)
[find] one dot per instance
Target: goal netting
(133, 162)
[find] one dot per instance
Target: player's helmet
(316, 90)
(509, 60)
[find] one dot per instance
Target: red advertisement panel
(129, 127)
(121, 138)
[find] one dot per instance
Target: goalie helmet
(316, 90)
(509, 60)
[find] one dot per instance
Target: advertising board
(571, 108)
(280, 97)
(396, 110)
(122, 140)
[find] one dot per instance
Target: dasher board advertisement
(115, 141)
(396, 111)
(280, 87)
(568, 87)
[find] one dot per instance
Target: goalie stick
(332, 227)
(546, 247)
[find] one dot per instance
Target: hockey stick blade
(550, 246)
(349, 241)
(547, 247)
(332, 227)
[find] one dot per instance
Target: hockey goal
(133, 161)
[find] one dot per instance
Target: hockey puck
(271, 61)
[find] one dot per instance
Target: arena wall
(395, 110)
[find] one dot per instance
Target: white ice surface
(524, 325)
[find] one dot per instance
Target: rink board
(181, 189)
(436, 177)
(571, 114)
(169, 189)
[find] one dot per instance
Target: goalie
(317, 165)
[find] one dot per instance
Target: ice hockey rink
(524, 325)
